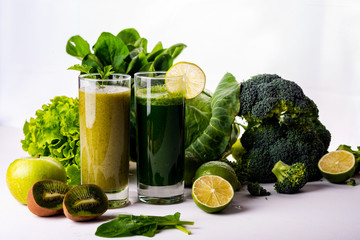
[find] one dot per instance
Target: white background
(314, 43)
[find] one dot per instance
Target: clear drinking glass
(160, 118)
(104, 107)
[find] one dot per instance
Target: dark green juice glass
(160, 117)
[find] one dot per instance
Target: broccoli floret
(239, 167)
(290, 179)
(266, 96)
(351, 182)
(283, 125)
(270, 142)
(256, 190)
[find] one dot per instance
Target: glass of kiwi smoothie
(104, 107)
(160, 117)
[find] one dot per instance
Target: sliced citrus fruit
(220, 169)
(212, 193)
(337, 166)
(194, 79)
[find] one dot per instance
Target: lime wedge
(337, 166)
(194, 79)
(212, 193)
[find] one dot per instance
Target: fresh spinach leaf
(142, 44)
(163, 62)
(130, 225)
(175, 50)
(92, 61)
(129, 36)
(136, 63)
(76, 46)
(111, 50)
(157, 50)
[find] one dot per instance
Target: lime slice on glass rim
(212, 193)
(195, 79)
(337, 166)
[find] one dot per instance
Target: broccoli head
(256, 190)
(290, 179)
(283, 125)
(267, 96)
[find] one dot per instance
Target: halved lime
(337, 166)
(220, 169)
(194, 79)
(212, 193)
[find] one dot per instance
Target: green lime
(337, 166)
(212, 193)
(25, 172)
(220, 169)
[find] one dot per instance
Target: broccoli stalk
(290, 179)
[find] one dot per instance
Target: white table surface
(320, 211)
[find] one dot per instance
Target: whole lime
(220, 169)
(24, 172)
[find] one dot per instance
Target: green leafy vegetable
(55, 132)
(82, 68)
(126, 53)
(77, 47)
(106, 73)
(225, 105)
(130, 225)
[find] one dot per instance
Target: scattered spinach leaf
(130, 225)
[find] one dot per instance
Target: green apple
(24, 172)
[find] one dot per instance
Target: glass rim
(142, 75)
(124, 77)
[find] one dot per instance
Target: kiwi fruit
(85, 202)
(45, 197)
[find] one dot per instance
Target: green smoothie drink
(104, 107)
(160, 118)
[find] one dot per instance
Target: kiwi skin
(83, 218)
(35, 208)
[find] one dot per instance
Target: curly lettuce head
(55, 132)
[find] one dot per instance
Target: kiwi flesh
(85, 202)
(45, 197)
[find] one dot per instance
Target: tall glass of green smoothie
(160, 117)
(104, 106)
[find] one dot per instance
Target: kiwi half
(85, 202)
(45, 197)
